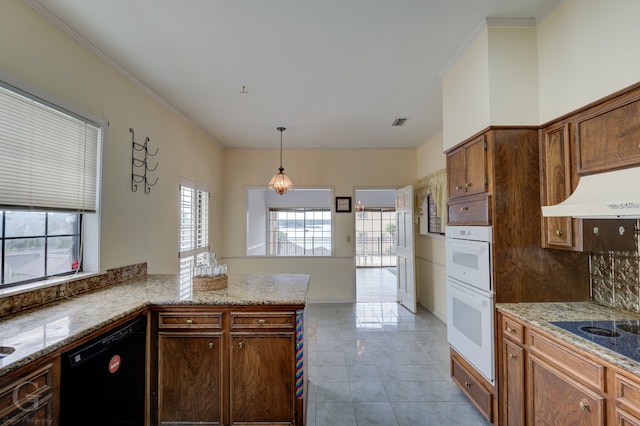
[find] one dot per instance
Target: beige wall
(332, 278)
(587, 49)
(465, 93)
(430, 257)
(136, 227)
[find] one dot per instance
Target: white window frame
(198, 227)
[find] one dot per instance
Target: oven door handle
(467, 246)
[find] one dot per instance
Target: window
(296, 224)
(38, 244)
(435, 221)
(49, 182)
(194, 224)
(299, 232)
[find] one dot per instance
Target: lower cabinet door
(513, 383)
(189, 378)
(558, 400)
(262, 378)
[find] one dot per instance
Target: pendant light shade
(280, 182)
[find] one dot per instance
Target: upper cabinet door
(555, 181)
(607, 139)
(476, 166)
(467, 169)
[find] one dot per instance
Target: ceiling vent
(399, 122)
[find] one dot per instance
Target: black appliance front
(103, 381)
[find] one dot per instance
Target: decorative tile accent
(615, 278)
(38, 297)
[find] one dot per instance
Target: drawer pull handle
(513, 356)
(240, 344)
(467, 384)
(261, 321)
(510, 330)
(464, 209)
(584, 406)
(558, 233)
(189, 321)
(468, 185)
(210, 345)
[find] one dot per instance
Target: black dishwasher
(103, 381)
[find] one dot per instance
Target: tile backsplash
(615, 278)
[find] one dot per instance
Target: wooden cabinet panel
(189, 320)
(555, 181)
(478, 392)
(513, 380)
(262, 378)
(476, 167)
(262, 320)
(190, 378)
(627, 397)
(580, 368)
(469, 211)
(556, 399)
(512, 330)
(27, 396)
(467, 169)
(608, 138)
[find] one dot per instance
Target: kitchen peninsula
(256, 322)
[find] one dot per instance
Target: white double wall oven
(470, 307)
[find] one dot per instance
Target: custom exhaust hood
(609, 195)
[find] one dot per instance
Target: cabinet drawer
(22, 394)
(469, 211)
(582, 369)
(512, 330)
(189, 320)
(477, 393)
(257, 320)
(627, 394)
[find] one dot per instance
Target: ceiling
(335, 73)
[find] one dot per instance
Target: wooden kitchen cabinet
(227, 365)
(28, 396)
(556, 185)
(513, 372)
(557, 399)
(467, 168)
(607, 134)
(476, 387)
(262, 368)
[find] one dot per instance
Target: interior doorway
(375, 245)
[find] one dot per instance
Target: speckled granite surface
(37, 332)
(541, 314)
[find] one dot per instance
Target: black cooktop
(621, 336)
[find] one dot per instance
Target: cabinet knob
(558, 233)
(584, 406)
(467, 384)
(189, 321)
(467, 185)
(210, 345)
(240, 345)
(513, 356)
(261, 321)
(464, 209)
(457, 187)
(510, 330)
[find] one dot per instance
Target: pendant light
(280, 182)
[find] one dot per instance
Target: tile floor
(375, 363)
(376, 285)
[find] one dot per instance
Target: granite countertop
(541, 314)
(37, 332)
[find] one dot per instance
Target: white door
(405, 248)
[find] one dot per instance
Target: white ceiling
(335, 73)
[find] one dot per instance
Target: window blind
(194, 220)
(49, 158)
